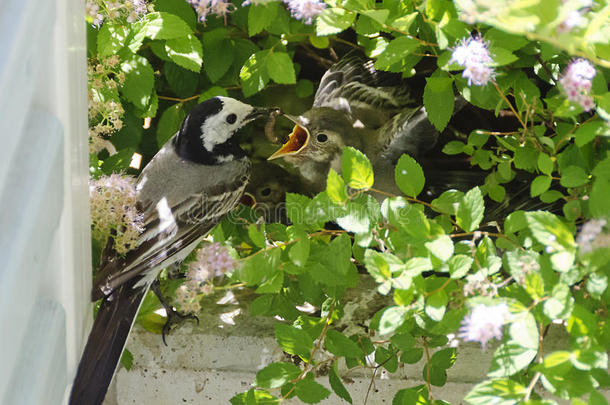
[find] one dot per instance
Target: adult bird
(190, 184)
(356, 106)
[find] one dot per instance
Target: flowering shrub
(537, 74)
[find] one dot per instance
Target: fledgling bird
(196, 178)
(267, 190)
(360, 107)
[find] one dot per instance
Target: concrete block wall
(211, 362)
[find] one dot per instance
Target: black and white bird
(356, 106)
(196, 178)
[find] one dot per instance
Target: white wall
(45, 243)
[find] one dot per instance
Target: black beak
(261, 112)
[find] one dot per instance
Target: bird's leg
(173, 316)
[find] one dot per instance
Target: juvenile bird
(267, 190)
(190, 184)
(360, 107)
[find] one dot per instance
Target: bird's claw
(173, 318)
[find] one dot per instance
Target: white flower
(484, 323)
(473, 54)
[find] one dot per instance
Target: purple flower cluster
(484, 323)
(205, 7)
(576, 82)
(592, 236)
(213, 260)
(186, 300)
(131, 10)
(113, 211)
(305, 10)
(473, 54)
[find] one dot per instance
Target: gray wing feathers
(173, 222)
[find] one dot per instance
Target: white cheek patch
(216, 130)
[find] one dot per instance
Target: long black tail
(105, 344)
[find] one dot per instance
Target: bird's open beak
(260, 112)
(248, 200)
(297, 140)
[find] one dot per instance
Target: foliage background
(146, 73)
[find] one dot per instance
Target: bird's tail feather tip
(105, 345)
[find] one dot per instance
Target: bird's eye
(231, 118)
(322, 137)
(266, 191)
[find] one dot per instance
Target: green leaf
(549, 230)
(545, 163)
(585, 133)
(260, 16)
(261, 305)
(280, 68)
(335, 187)
(333, 21)
(127, 359)
(304, 88)
(185, 52)
(403, 341)
(299, 252)
(499, 391)
(447, 203)
(169, 123)
(256, 233)
(412, 356)
(296, 204)
(595, 398)
(161, 25)
(470, 210)
(293, 341)
(276, 374)
(356, 169)
(218, 51)
(335, 383)
(182, 81)
(540, 185)
(273, 284)
(139, 81)
(436, 305)
(439, 99)
(459, 265)
(180, 8)
(391, 319)
(573, 176)
(254, 397)
(441, 247)
(253, 74)
(111, 38)
(526, 157)
(396, 51)
(509, 359)
(386, 358)
(259, 267)
(380, 16)
(409, 176)
(319, 42)
(340, 345)
(309, 391)
(524, 330)
(453, 147)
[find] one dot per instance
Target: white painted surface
(45, 241)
